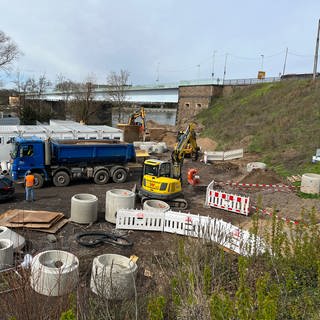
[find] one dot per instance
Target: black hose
(99, 237)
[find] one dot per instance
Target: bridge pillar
(193, 99)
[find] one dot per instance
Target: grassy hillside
(279, 121)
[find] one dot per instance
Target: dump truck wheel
(119, 175)
(101, 177)
(38, 180)
(61, 179)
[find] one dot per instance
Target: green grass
(283, 118)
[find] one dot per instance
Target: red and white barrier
(140, 220)
(229, 202)
(271, 213)
(275, 187)
(209, 229)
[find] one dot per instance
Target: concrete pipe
(6, 254)
(54, 273)
(256, 165)
(17, 240)
(84, 208)
(113, 276)
(310, 183)
(118, 199)
(155, 205)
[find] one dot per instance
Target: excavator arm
(139, 114)
(177, 156)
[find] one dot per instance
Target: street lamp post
(213, 58)
(262, 57)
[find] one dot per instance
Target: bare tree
(8, 51)
(83, 104)
(32, 107)
(116, 92)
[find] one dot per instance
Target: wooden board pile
(44, 221)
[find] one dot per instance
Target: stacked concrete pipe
(54, 273)
(6, 253)
(118, 199)
(113, 276)
(84, 208)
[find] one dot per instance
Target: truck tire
(101, 177)
(38, 180)
(61, 179)
(119, 175)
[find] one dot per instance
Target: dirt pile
(206, 144)
(261, 177)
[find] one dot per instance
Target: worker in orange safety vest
(29, 183)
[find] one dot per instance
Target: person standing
(29, 183)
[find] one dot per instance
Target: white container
(113, 276)
(18, 241)
(54, 273)
(6, 253)
(310, 183)
(256, 165)
(84, 208)
(155, 205)
(118, 199)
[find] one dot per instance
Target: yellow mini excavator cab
(162, 179)
(158, 183)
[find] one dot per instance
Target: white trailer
(57, 129)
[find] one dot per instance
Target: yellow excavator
(162, 179)
(191, 148)
(143, 125)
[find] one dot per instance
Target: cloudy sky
(161, 41)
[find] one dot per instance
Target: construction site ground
(149, 245)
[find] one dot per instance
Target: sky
(160, 41)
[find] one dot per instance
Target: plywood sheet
(29, 216)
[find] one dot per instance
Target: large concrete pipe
(310, 183)
(118, 199)
(256, 165)
(17, 240)
(6, 253)
(155, 205)
(84, 208)
(113, 276)
(54, 273)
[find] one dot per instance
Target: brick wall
(193, 99)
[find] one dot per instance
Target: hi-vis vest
(29, 180)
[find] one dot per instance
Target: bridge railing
(249, 81)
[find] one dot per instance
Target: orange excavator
(143, 124)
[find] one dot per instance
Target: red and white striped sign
(228, 202)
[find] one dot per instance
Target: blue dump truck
(65, 160)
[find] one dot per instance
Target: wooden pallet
(294, 178)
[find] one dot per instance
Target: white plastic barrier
(210, 229)
(212, 156)
(233, 154)
(229, 202)
(222, 155)
(140, 220)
